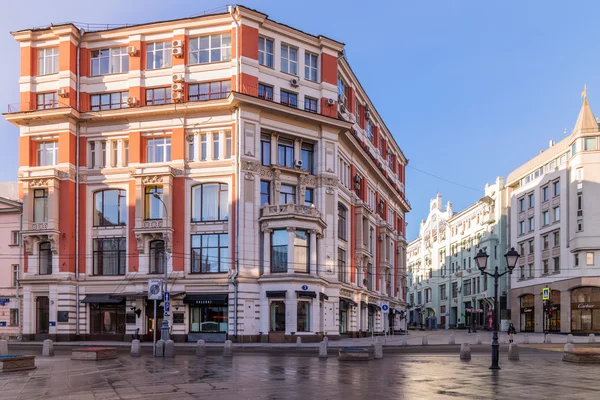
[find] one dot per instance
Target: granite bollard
(48, 348)
(169, 348)
(135, 348)
(465, 351)
(513, 352)
(200, 348)
(323, 349)
(228, 349)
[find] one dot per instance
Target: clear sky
(470, 89)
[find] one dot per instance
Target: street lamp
(511, 260)
(164, 329)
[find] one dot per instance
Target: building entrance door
(42, 315)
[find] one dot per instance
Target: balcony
(292, 212)
(37, 232)
(152, 229)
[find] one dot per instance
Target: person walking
(511, 332)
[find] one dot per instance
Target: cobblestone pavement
(538, 375)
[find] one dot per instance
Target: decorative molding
(266, 172)
(53, 239)
(140, 242)
(249, 176)
(38, 183)
(291, 229)
(150, 179)
(28, 243)
(252, 166)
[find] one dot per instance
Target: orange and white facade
(283, 190)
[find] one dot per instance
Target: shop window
(107, 319)
(208, 319)
(277, 316)
(585, 309)
(527, 313)
(303, 316)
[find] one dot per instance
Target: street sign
(304, 287)
(167, 296)
(155, 291)
(167, 307)
(385, 307)
(3, 301)
(546, 293)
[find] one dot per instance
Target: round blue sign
(385, 307)
(304, 287)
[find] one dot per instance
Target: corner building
(283, 190)
(553, 218)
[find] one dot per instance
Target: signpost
(385, 307)
(154, 293)
(546, 293)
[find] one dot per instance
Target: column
(267, 251)
(120, 155)
(290, 248)
(222, 145)
(312, 252)
(197, 144)
(274, 139)
(209, 146)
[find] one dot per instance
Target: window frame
(195, 93)
(222, 207)
(291, 65)
(309, 102)
(42, 102)
(276, 267)
(342, 222)
(99, 253)
(156, 143)
(167, 55)
(121, 207)
(265, 92)
(118, 52)
(265, 150)
(45, 253)
(156, 257)
(309, 69)
(111, 105)
(284, 144)
(265, 53)
(194, 54)
(288, 98)
(41, 193)
(150, 200)
(266, 184)
(42, 56)
(151, 98)
(287, 195)
(223, 262)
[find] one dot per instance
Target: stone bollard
(547, 339)
(48, 348)
(569, 347)
(569, 338)
(404, 342)
(465, 351)
(526, 339)
(378, 350)
(160, 348)
(592, 338)
(135, 348)
(323, 349)
(478, 339)
(298, 342)
(326, 340)
(169, 348)
(425, 341)
(200, 348)
(452, 340)
(513, 352)
(227, 349)
(4, 348)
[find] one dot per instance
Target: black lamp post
(511, 261)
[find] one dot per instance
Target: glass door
(43, 314)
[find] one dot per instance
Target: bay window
(279, 251)
(47, 153)
(210, 253)
(153, 208)
(301, 251)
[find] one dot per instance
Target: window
(114, 145)
(109, 256)
(545, 218)
(157, 257)
(40, 205)
(310, 104)
(209, 90)
(15, 275)
(265, 150)
(289, 99)
(98, 154)
(579, 174)
(531, 270)
(574, 149)
(301, 251)
(522, 227)
(125, 152)
(522, 272)
(191, 145)
(369, 131)
(45, 101)
(590, 144)
(342, 222)
(556, 264)
(545, 264)
(210, 202)
(265, 92)
(556, 211)
(371, 241)
(216, 144)
(279, 251)
(545, 241)
(556, 239)
(589, 258)
(545, 193)
(14, 317)
(531, 224)
(158, 55)
(309, 197)
(158, 150)
(228, 145)
(109, 61)
(531, 201)
(576, 260)
(203, 147)
(341, 264)
(556, 188)
(265, 192)
(307, 156)
(580, 225)
(287, 194)
(209, 319)
(47, 61)
(303, 316)
(210, 253)
(443, 294)
(209, 49)
(158, 96)
(265, 52)
(15, 238)
(153, 207)
(521, 205)
(310, 66)
(110, 208)
(531, 247)
(467, 287)
(285, 153)
(47, 153)
(289, 59)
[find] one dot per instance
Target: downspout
(20, 332)
(77, 127)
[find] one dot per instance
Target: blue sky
(470, 89)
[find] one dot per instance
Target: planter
(16, 363)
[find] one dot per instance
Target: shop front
(527, 313)
(345, 305)
(554, 311)
(107, 316)
(585, 310)
(208, 317)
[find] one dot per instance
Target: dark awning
(276, 293)
(323, 296)
(209, 299)
(363, 304)
(374, 306)
(305, 293)
(346, 300)
(103, 298)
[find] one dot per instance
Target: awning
(346, 300)
(103, 298)
(323, 296)
(363, 304)
(305, 293)
(374, 306)
(207, 299)
(276, 293)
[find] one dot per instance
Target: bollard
(135, 348)
(547, 339)
(404, 342)
(323, 349)
(513, 352)
(326, 340)
(169, 348)
(452, 340)
(526, 339)
(378, 350)
(227, 349)
(48, 348)
(160, 348)
(465, 351)
(200, 348)
(478, 339)
(569, 338)
(4, 347)
(570, 347)
(425, 341)
(592, 338)
(298, 342)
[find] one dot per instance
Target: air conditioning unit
(294, 82)
(330, 102)
(177, 96)
(177, 87)
(368, 115)
(132, 101)
(177, 43)
(298, 163)
(177, 52)
(178, 78)
(62, 92)
(132, 51)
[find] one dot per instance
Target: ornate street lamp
(481, 260)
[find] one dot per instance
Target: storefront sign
(3, 301)
(52, 323)
(526, 310)
(585, 305)
(2, 323)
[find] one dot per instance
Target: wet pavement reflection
(537, 376)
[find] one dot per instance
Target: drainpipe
(20, 331)
(231, 10)
(77, 127)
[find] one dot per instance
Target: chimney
(551, 143)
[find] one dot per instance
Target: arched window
(342, 222)
(45, 258)
(157, 257)
(210, 202)
(110, 208)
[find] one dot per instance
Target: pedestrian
(511, 332)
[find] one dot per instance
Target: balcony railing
(281, 210)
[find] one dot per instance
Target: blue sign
(3, 323)
(167, 306)
(304, 287)
(3, 301)
(52, 323)
(167, 296)
(385, 307)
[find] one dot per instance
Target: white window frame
(118, 61)
(196, 50)
(97, 153)
(589, 258)
(15, 238)
(47, 61)
(47, 153)
(155, 144)
(311, 71)
(167, 55)
(289, 65)
(264, 53)
(556, 213)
